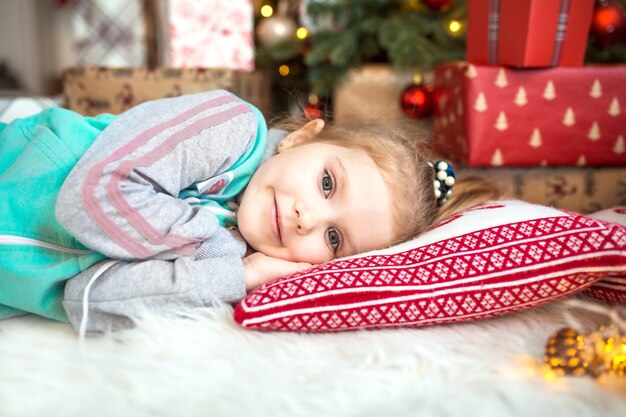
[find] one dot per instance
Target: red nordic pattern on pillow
(610, 289)
(485, 273)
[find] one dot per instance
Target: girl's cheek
(314, 253)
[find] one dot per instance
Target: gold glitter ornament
(612, 351)
(568, 353)
(601, 351)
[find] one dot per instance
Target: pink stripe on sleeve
(122, 172)
(95, 173)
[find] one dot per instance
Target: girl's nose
(304, 218)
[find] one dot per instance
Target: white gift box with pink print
(210, 34)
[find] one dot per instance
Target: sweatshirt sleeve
(111, 294)
(121, 197)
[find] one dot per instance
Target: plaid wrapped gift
(109, 32)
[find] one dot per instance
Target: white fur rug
(209, 366)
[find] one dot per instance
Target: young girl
(104, 218)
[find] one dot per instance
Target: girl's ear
(303, 134)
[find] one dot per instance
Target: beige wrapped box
(94, 90)
(371, 92)
(583, 190)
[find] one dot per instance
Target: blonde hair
(402, 153)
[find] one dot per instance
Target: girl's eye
(327, 184)
(334, 238)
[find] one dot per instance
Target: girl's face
(314, 202)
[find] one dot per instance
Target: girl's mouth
(275, 221)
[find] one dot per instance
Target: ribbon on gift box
(561, 29)
(494, 27)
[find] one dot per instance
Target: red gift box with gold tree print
(497, 116)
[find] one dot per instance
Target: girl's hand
(259, 269)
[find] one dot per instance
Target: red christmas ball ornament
(608, 23)
(314, 108)
(438, 5)
(416, 100)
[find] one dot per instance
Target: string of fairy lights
(275, 27)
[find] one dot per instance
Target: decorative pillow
(613, 215)
(610, 289)
(487, 261)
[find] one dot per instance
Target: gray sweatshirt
(121, 200)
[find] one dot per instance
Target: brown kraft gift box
(94, 90)
(580, 189)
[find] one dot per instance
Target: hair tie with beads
(444, 180)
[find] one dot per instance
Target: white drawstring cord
(85, 318)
